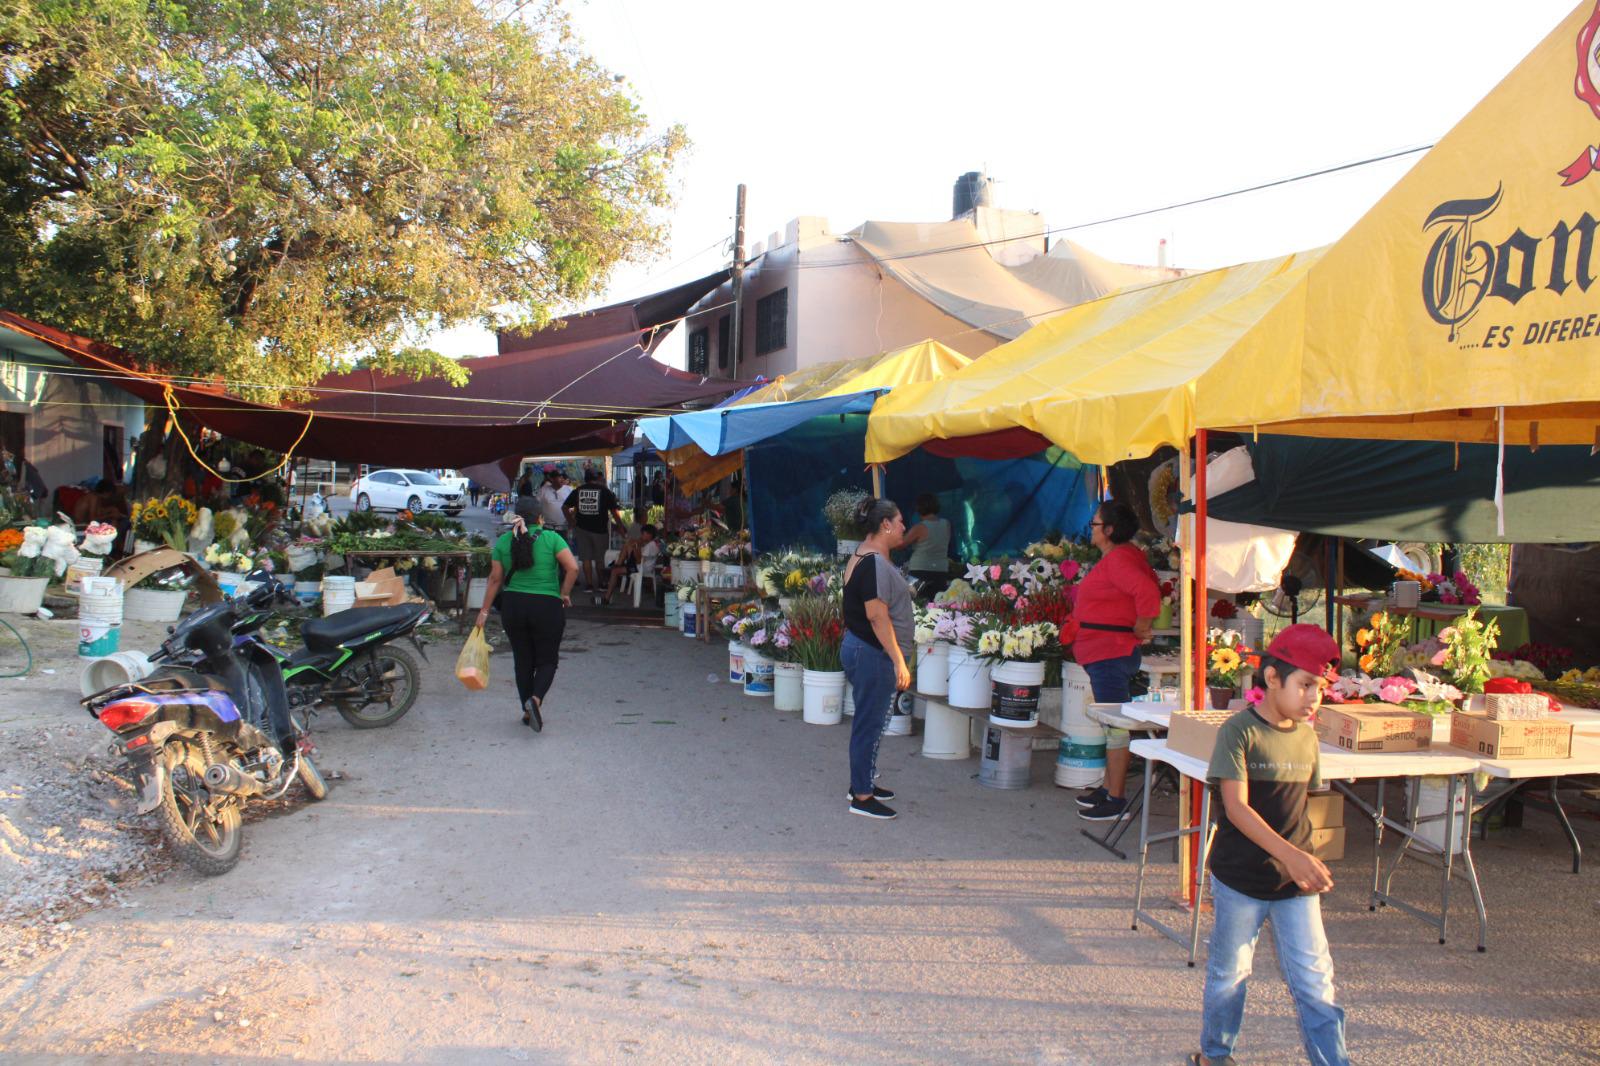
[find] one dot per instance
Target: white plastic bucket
(97, 638)
(670, 613)
(944, 732)
(758, 674)
(788, 687)
(1431, 793)
(22, 595)
(1007, 760)
(84, 566)
(1081, 760)
(823, 696)
(686, 620)
(118, 668)
(1015, 693)
(933, 668)
(153, 605)
(735, 663)
(307, 592)
(970, 685)
(338, 594)
(476, 588)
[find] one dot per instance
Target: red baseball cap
(1306, 647)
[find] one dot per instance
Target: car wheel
(414, 504)
(363, 502)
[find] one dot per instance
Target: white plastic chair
(646, 572)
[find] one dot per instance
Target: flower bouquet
(1381, 644)
(1230, 662)
(164, 521)
(1000, 640)
(840, 511)
(1467, 647)
(1456, 589)
(816, 632)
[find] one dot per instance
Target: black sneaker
(531, 716)
(1108, 811)
(1092, 797)
(871, 808)
(877, 793)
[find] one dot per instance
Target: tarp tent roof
(702, 446)
(1433, 313)
(596, 365)
(954, 266)
(1416, 490)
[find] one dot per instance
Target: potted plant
(840, 511)
(28, 572)
(1016, 654)
(816, 633)
(1230, 663)
(158, 597)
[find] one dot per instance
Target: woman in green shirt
(536, 569)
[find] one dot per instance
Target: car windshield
(419, 477)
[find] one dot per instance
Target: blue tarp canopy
(728, 429)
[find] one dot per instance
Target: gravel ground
(668, 874)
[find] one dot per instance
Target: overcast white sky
(869, 109)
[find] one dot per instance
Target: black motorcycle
(210, 729)
(349, 660)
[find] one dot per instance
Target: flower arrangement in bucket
(816, 632)
(165, 520)
(727, 622)
(1229, 663)
(840, 511)
(25, 557)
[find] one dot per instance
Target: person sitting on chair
(637, 555)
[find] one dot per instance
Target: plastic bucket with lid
(736, 655)
(97, 638)
(788, 687)
(686, 620)
(823, 694)
(1015, 688)
(1007, 759)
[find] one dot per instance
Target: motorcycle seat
(325, 634)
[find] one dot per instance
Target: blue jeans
(1109, 678)
(870, 672)
(1302, 955)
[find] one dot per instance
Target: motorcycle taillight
(124, 713)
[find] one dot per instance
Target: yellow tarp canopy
(923, 361)
(1464, 291)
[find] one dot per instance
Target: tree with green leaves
(253, 189)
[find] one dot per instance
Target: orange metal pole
(1201, 612)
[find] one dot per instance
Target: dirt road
(668, 874)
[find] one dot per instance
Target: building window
(772, 322)
(700, 352)
(724, 341)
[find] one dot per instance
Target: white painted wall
(66, 412)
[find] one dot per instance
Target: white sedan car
(409, 490)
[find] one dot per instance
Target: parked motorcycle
(209, 729)
(349, 660)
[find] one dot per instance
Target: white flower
(989, 643)
(976, 572)
(1020, 572)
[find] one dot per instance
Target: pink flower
(1447, 634)
(1069, 569)
(1022, 603)
(1449, 597)
(1439, 657)
(1009, 591)
(1395, 689)
(1254, 695)
(994, 572)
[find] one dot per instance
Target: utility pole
(737, 332)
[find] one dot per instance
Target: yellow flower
(1364, 637)
(1225, 660)
(795, 580)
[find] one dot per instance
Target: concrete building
(813, 296)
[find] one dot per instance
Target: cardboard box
(1194, 733)
(1328, 844)
(1540, 738)
(1368, 727)
(389, 592)
(1325, 810)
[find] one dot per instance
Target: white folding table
(1509, 775)
(1338, 767)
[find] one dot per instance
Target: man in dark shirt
(591, 509)
(1261, 865)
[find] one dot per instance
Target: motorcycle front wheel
(205, 835)
(311, 777)
(389, 681)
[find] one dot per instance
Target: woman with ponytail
(537, 570)
(878, 635)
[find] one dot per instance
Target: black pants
(534, 625)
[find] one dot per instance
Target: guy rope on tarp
(177, 423)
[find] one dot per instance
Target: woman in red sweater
(1116, 610)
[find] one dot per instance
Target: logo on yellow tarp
(1587, 88)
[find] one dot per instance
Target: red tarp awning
(573, 389)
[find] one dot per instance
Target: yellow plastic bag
(472, 665)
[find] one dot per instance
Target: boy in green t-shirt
(1262, 869)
